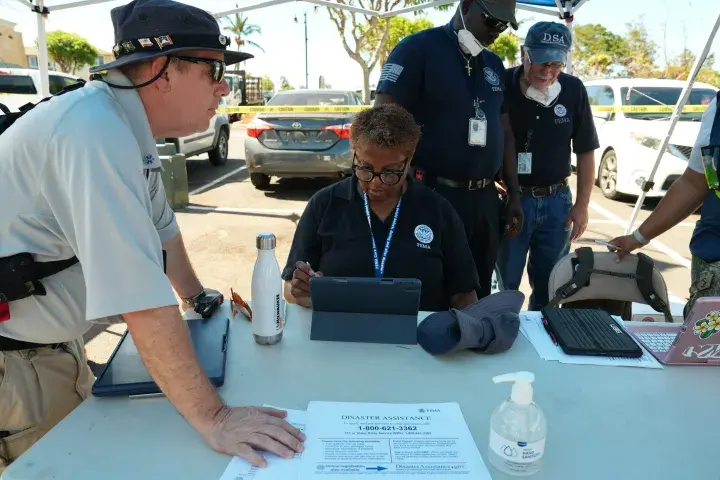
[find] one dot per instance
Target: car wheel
(260, 180)
(607, 176)
(219, 155)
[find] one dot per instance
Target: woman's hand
(300, 283)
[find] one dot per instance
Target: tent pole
(40, 11)
(674, 119)
(27, 3)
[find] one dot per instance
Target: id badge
(477, 132)
(524, 163)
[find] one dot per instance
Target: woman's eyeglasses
(491, 22)
(217, 67)
(387, 176)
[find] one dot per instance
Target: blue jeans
(545, 237)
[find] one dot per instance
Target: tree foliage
(267, 84)
(70, 51)
(507, 47)
(598, 52)
(400, 27)
(284, 84)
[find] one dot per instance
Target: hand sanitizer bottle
(518, 428)
(266, 291)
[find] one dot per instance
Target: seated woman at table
(381, 222)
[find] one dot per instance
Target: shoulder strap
(644, 279)
(9, 117)
(45, 269)
(715, 131)
(580, 279)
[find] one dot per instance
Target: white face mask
(468, 40)
(545, 96)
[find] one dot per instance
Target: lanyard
(380, 265)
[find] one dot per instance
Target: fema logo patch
(560, 110)
(424, 234)
(149, 159)
(491, 77)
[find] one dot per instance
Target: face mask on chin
(467, 40)
(545, 96)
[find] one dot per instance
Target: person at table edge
(414, 232)
(453, 86)
(688, 193)
(549, 111)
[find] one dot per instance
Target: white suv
(19, 86)
(629, 142)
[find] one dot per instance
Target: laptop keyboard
(587, 327)
(659, 342)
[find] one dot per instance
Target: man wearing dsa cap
(550, 114)
(453, 85)
(80, 178)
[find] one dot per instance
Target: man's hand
(514, 213)
(578, 220)
(300, 283)
(625, 245)
(242, 430)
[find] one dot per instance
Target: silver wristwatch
(639, 237)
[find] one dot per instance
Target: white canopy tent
(564, 9)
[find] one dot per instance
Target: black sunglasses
(387, 176)
(491, 22)
(217, 67)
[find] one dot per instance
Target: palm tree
(239, 27)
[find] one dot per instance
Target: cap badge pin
(145, 42)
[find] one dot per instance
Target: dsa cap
(489, 325)
(146, 29)
(548, 42)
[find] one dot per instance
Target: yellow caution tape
(649, 108)
(294, 109)
(359, 108)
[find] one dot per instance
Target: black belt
(538, 192)
(464, 184)
(8, 344)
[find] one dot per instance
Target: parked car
(629, 141)
(214, 141)
(19, 86)
(306, 145)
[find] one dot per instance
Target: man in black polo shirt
(453, 86)
(549, 110)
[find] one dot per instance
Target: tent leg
(673, 121)
(41, 12)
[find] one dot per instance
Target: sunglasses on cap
(491, 22)
(217, 67)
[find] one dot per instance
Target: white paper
(531, 326)
(404, 442)
(278, 468)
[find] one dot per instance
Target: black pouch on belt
(20, 275)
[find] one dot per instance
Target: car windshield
(661, 97)
(310, 98)
(17, 84)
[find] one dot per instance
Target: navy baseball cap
(489, 325)
(548, 42)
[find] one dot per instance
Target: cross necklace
(467, 61)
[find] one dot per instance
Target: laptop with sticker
(695, 342)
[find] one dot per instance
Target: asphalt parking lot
(226, 213)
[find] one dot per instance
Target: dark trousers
(482, 214)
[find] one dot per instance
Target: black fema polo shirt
(426, 73)
(549, 131)
(428, 244)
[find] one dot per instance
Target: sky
(672, 24)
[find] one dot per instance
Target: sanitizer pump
(518, 428)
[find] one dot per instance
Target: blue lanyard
(380, 265)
